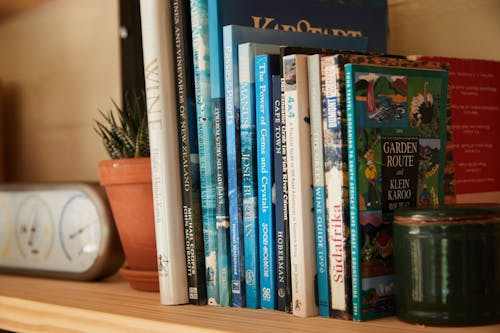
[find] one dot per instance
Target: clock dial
(5, 229)
(34, 228)
(80, 232)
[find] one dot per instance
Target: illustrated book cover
(335, 168)
(396, 135)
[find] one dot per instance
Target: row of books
(292, 157)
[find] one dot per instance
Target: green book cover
(396, 134)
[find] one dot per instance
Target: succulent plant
(124, 132)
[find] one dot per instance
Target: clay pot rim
(125, 171)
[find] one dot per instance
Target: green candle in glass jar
(447, 263)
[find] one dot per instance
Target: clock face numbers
(79, 231)
(5, 229)
(34, 228)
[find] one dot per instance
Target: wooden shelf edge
(29, 316)
(44, 305)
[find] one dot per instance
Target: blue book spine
(249, 188)
(316, 86)
(281, 253)
(265, 66)
(218, 108)
(206, 144)
(234, 174)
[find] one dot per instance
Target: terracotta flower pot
(128, 186)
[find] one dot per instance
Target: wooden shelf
(33, 304)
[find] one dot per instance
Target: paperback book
(316, 85)
(335, 169)
(396, 134)
(247, 117)
(206, 145)
(266, 65)
(300, 196)
(283, 277)
(188, 151)
(218, 107)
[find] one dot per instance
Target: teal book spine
(316, 86)
(206, 144)
(266, 65)
(249, 185)
(218, 108)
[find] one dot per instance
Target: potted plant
(126, 178)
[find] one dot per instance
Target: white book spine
(301, 219)
(162, 122)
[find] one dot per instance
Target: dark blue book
(266, 65)
(338, 18)
(282, 253)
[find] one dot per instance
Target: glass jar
(447, 263)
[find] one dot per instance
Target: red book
(475, 121)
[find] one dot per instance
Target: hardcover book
(335, 169)
(159, 75)
(188, 146)
(396, 134)
(474, 86)
(366, 19)
(266, 65)
(206, 145)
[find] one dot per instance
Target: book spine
(159, 74)
(337, 200)
(353, 198)
(218, 108)
(206, 145)
(298, 136)
(286, 220)
(249, 180)
(221, 214)
(233, 153)
(281, 253)
(263, 70)
(187, 133)
(316, 85)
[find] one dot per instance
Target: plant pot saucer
(141, 280)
